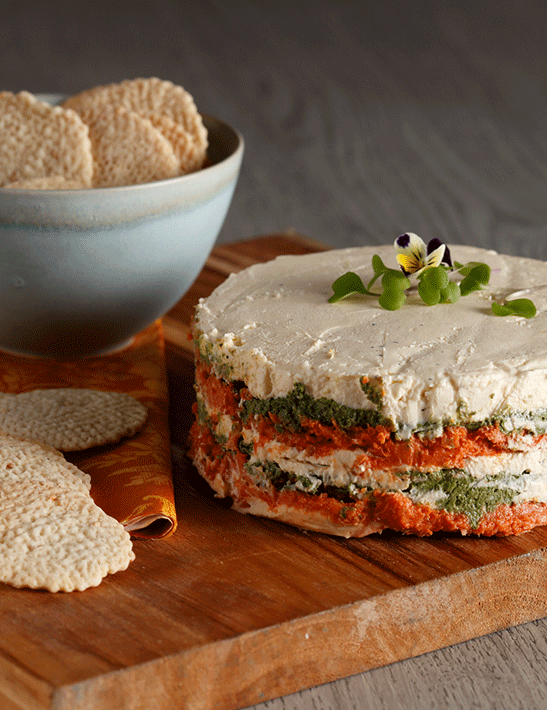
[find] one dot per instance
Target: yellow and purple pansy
(413, 255)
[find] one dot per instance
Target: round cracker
(22, 460)
(38, 140)
(57, 540)
(151, 95)
(189, 155)
(71, 419)
(128, 150)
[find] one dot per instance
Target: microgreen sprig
(517, 307)
(394, 284)
(431, 265)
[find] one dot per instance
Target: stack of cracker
(52, 534)
(134, 132)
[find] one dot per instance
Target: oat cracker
(151, 95)
(71, 419)
(57, 538)
(52, 534)
(39, 140)
(128, 150)
(189, 155)
(22, 460)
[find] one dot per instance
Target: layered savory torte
(349, 419)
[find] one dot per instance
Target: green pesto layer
(450, 489)
(290, 410)
(453, 490)
(298, 405)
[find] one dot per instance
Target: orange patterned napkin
(130, 480)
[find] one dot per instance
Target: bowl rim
(235, 155)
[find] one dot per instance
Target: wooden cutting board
(232, 610)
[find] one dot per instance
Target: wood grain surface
(362, 120)
(233, 609)
(417, 594)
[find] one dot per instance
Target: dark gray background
(362, 120)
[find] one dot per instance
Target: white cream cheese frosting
(271, 326)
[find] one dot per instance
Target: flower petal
(402, 242)
(411, 242)
(412, 253)
(409, 264)
(434, 244)
(436, 256)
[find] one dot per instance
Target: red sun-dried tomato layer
(219, 394)
(383, 450)
(450, 450)
(380, 510)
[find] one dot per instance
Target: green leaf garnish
(523, 307)
(451, 293)
(378, 265)
(464, 269)
(394, 280)
(379, 268)
(347, 285)
(392, 300)
(436, 276)
(434, 284)
(477, 277)
(394, 285)
(428, 293)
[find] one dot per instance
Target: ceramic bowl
(83, 271)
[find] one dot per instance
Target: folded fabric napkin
(130, 480)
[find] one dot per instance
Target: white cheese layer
(523, 473)
(271, 326)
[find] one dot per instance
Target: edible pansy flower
(413, 256)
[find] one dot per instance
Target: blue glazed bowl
(83, 271)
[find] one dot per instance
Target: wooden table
(387, 598)
(234, 609)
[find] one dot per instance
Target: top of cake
(272, 327)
